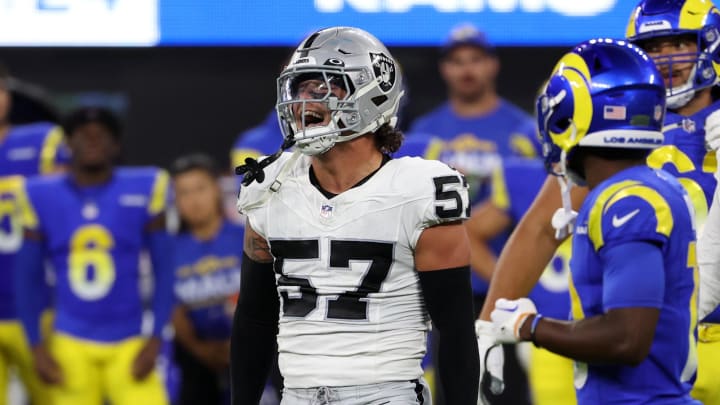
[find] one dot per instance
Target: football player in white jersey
(348, 251)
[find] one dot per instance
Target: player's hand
(145, 360)
(712, 131)
(509, 315)
(46, 366)
(492, 359)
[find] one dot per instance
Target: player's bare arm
(486, 222)
(620, 336)
(530, 247)
(442, 247)
(255, 246)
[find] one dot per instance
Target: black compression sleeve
(254, 332)
(448, 299)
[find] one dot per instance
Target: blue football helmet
(699, 19)
(604, 93)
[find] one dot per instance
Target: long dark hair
(204, 163)
(388, 139)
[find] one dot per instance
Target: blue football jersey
(264, 139)
(27, 150)
(638, 204)
(476, 142)
(93, 237)
(514, 187)
(32, 149)
(684, 155)
(207, 279)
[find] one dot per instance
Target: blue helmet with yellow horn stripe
(604, 93)
(698, 19)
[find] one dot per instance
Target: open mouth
(313, 118)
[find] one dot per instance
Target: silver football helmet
(340, 83)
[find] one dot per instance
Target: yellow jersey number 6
(91, 270)
(671, 154)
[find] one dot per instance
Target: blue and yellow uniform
(684, 155)
(207, 279)
(649, 206)
(207, 283)
(681, 21)
(93, 237)
(261, 140)
(26, 151)
(514, 187)
(505, 131)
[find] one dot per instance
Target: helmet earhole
(378, 100)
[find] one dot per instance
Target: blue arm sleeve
(633, 275)
(160, 247)
(29, 280)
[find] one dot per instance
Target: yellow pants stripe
(15, 354)
(707, 384)
(551, 378)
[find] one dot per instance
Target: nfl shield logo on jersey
(90, 211)
(688, 125)
(326, 211)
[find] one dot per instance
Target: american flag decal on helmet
(614, 112)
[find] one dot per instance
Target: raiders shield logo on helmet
(384, 69)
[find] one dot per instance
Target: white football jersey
(351, 308)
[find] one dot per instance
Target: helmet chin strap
(678, 97)
(564, 218)
(312, 145)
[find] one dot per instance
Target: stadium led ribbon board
(79, 23)
(285, 22)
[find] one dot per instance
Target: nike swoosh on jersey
(618, 222)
